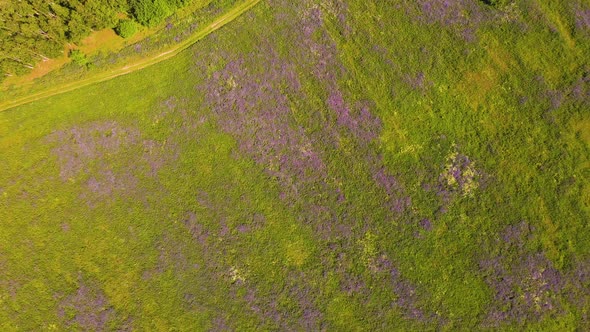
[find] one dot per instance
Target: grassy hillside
(314, 165)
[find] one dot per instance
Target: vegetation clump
(78, 57)
(126, 28)
(151, 12)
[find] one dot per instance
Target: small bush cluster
(126, 28)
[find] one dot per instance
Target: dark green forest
(33, 30)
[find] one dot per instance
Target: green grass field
(315, 165)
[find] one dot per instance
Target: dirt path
(129, 68)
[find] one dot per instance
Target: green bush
(78, 57)
(151, 12)
(126, 28)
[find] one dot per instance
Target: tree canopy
(33, 30)
(126, 28)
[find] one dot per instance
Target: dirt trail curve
(101, 77)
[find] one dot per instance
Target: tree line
(35, 30)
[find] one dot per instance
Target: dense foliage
(316, 165)
(152, 12)
(33, 30)
(126, 28)
(78, 57)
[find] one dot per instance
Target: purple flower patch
(362, 123)
(583, 19)
(396, 200)
(459, 177)
(463, 15)
(91, 150)
(405, 291)
(80, 145)
(426, 224)
(198, 232)
(418, 82)
(526, 285)
(578, 291)
(253, 108)
(304, 310)
(87, 308)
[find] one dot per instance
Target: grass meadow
(314, 165)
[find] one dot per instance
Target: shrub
(151, 12)
(78, 57)
(126, 28)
